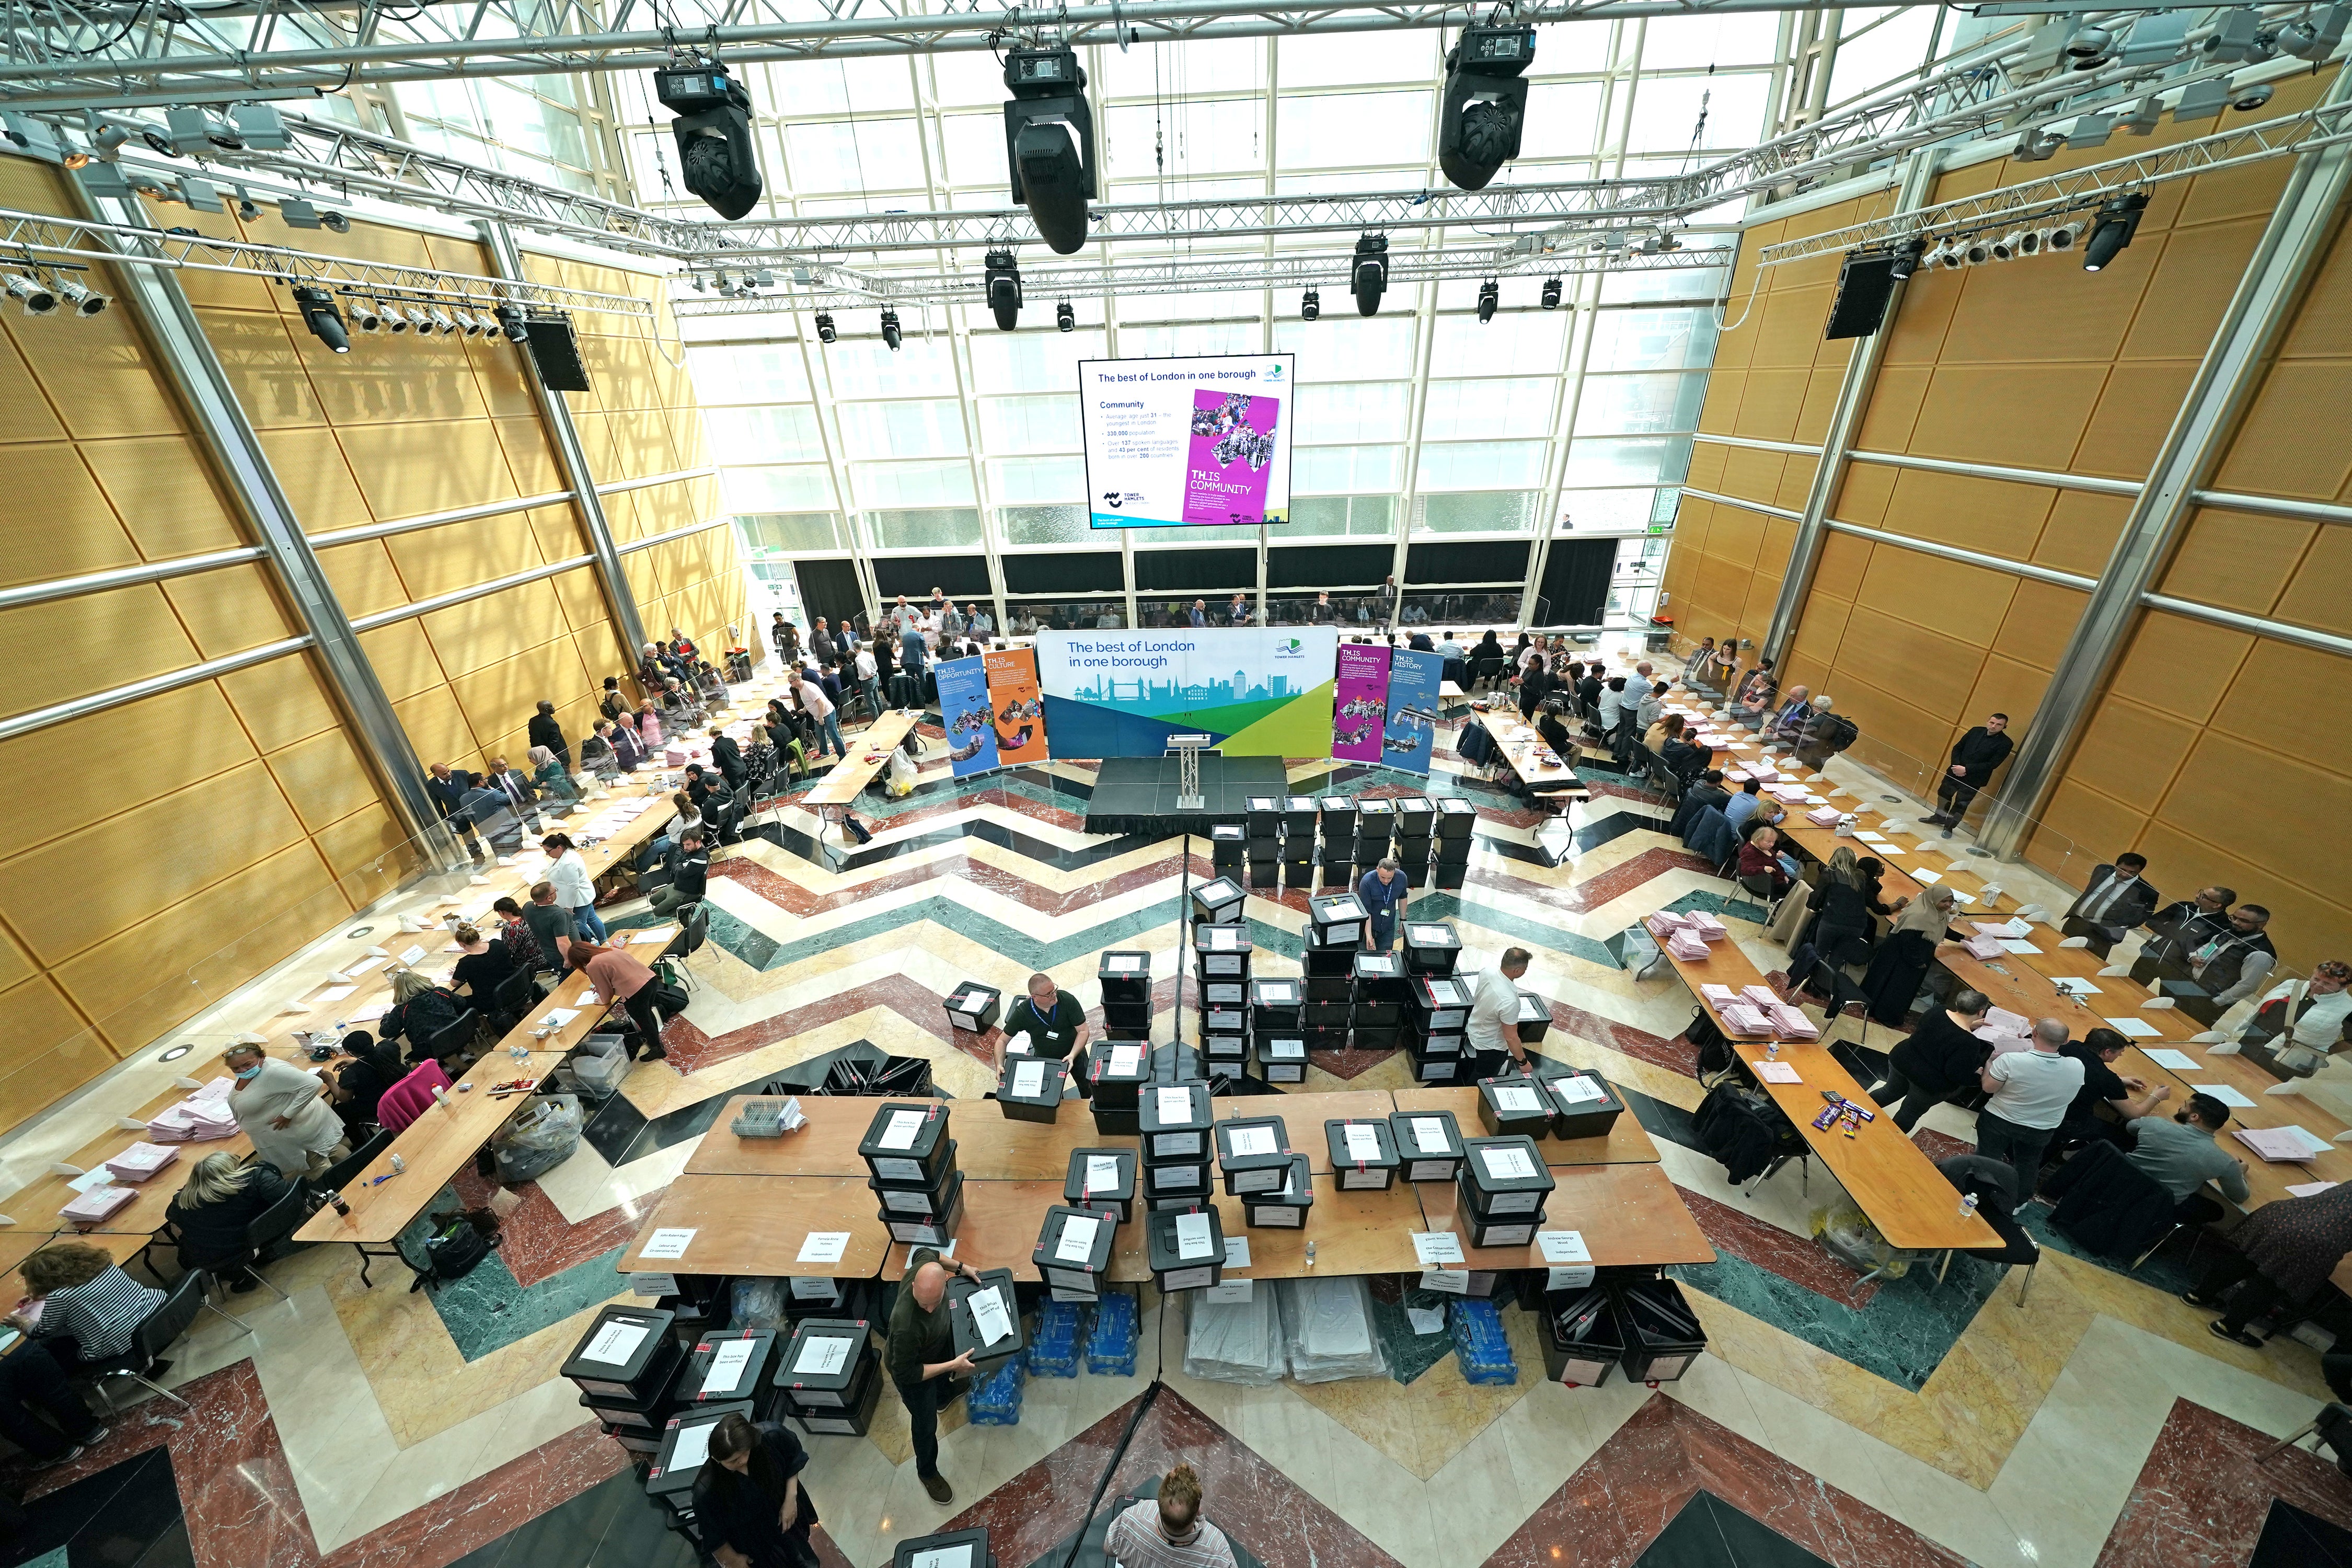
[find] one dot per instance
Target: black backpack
(1716, 1057)
(458, 1248)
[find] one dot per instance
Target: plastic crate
(1061, 1334)
(995, 1400)
(1480, 1345)
(1110, 1346)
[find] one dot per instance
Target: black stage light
(1908, 258)
(319, 314)
(1486, 102)
(1368, 275)
(1310, 305)
(890, 333)
(1551, 294)
(1490, 295)
(512, 323)
(2119, 220)
(1049, 142)
(1065, 318)
(825, 332)
(1004, 288)
(714, 135)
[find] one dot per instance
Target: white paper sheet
(1237, 1252)
(901, 1133)
(558, 1018)
(2308, 1189)
(823, 1356)
(1777, 1072)
(2178, 1061)
(1363, 1143)
(1175, 1106)
(824, 1246)
(615, 1343)
(1191, 1236)
(727, 1367)
(693, 1447)
(1563, 1246)
(1434, 1247)
(1078, 1243)
(1445, 1281)
(2222, 1092)
(333, 993)
(1245, 1142)
(2019, 948)
(2134, 1028)
(1029, 1080)
(1426, 1320)
(2074, 985)
(668, 1243)
(1123, 963)
(1102, 1172)
(1519, 1098)
(1429, 1135)
(1233, 1292)
(943, 1557)
(993, 1323)
(1506, 1164)
(1578, 1089)
(1125, 1060)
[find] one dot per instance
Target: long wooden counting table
(1522, 748)
(1881, 1169)
(738, 1230)
(832, 796)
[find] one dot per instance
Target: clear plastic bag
(539, 1140)
(1327, 1329)
(1233, 1342)
(756, 1304)
(1855, 1242)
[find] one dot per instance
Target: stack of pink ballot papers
(202, 1117)
(1707, 927)
(1718, 996)
(1823, 816)
(1985, 947)
(97, 1203)
(140, 1161)
(1736, 775)
(1686, 944)
(1762, 996)
(1786, 793)
(1787, 1024)
(1663, 924)
(2279, 1145)
(1746, 1018)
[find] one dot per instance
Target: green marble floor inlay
(1902, 1334)
(489, 1308)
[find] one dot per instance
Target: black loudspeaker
(1865, 285)
(557, 353)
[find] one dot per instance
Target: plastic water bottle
(1968, 1206)
(1772, 1049)
(1310, 1255)
(398, 1165)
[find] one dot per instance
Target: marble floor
(1831, 1421)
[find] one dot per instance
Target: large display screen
(1202, 441)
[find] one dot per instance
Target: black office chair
(454, 1039)
(337, 1176)
(267, 1229)
(694, 930)
(158, 1331)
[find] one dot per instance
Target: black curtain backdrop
(828, 588)
(1072, 572)
(958, 576)
(1473, 561)
(1196, 571)
(1576, 580)
(1343, 568)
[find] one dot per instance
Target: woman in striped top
(78, 1307)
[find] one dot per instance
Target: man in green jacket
(922, 1351)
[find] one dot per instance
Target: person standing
(820, 708)
(1974, 758)
(1167, 1530)
(550, 924)
(2031, 1091)
(2302, 1023)
(748, 1502)
(869, 669)
(1384, 891)
(1493, 1023)
(284, 1111)
(727, 758)
(621, 977)
(1051, 1018)
(449, 791)
(2229, 965)
(575, 889)
(597, 755)
(1940, 1056)
(2117, 898)
(543, 731)
(922, 1351)
(2286, 1251)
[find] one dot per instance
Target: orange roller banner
(1020, 711)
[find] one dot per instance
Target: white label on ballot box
(1029, 1080)
(727, 1367)
(1518, 1097)
(1363, 1143)
(808, 1288)
(693, 1447)
(1191, 1236)
(1429, 1132)
(1577, 1089)
(1563, 1246)
(900, 1134)
(1428, 936)
(1126, 1060)
(1175, 1105)
(943, 1557)
(1431, 1246)
(823, 1357)
(1506, 1164)
(1102, 1172)
(669, 1242)
(1078, 1243)
(1123, 964)
(615, 1343)
(1252, 1141)
(824, 1246)
(1446, 1281)
(1220, 938)
(988, 1315)
(1572, 1278)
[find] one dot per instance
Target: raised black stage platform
(1138, 794)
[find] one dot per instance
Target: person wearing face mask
(284, 1111)
(748, 1502)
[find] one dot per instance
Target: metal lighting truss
(2082, 189)
(68, 54)
(1324, 269)
(35, 239)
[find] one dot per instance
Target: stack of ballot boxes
(832, 1376)
(1126, 980)
(1116, 1072)
(1436, 1018)
(1377, 993)
(1416, 823)
(626, 1367)
(911, 1165)
(1177, 1120)
(1226, 846)
(1299, 813)
(1337, 814)
(1278, 1011)
(1375, 830)
(1502, 1186)
(1455, 818)
(1261, 825)
(1334, 937)
(1073, 1249)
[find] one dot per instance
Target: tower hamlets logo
(1290, 648)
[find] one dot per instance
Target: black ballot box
(1337, 814)
(1103, 1179)
(1583, 1105)
(1225, 845)
(1431, 947)
(1253, 1153)
(1125, 981)
(1363, 1152)
(1428, 1142)
(955, 1548)
(1514, 1106)
(1220, 951)
(906, 1141)
(984, 1316)
(1186, 1248)
(1074, 1249)
(973, 1007)
(1219, 901)
(1030, 1088)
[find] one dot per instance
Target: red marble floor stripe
(691, 1050)
(2200, 1498)
(1798, 1259)
(1607, 1513)
(794, 900)
(1676, 1055)
(536, 1242)
(1939, 1146)
(475, 1514)
(1245, 1495)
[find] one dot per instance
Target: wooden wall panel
(437, 560)
(265, 369)
(2027, 416)
(317, 478)
(2315, 596)
(2131, 752)
(1994, 516)
(161, 489)
(356, 843)
(54, 520)
(364, 577)
(2041, 618)
(411, 468)
(2196, 273)
(480, 632)
(2239, 561)
(279, 703)
(2274, 452)
(1863, 493)
(2134, 411)
(117, 637)
(1770, 402)
(2082, 531)
(98, 376)
(2090, 828)
(1962, 601)
(323, 778)
(1937, 670)
(2003, 685)
(1747, 473)
(2180, 665)
(230, 610)
(48, 1048)
(152, 748)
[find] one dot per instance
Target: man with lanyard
(2229, 965)
(1493, 1023)
(1384, 891)
(2180, 929)
(1054, 1024)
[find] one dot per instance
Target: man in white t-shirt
(1495, 1007)
(2031, 1091)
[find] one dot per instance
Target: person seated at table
(1744, 805)
(679, 711)
(2286, 1250)
(1609, 707)
(748, 1502)
(1756, 694)
(1550, 723)
(1167, 1532)
(88, 1311)
(211, 1213)
(1789, 722)
(370, 1067)
(1940, 1057)
(1651, 707)
(2130, 1098)
(597, 757)
(1763, 869)
(1666, 727)
(629, 749)
(547, 777)
(689, 877)
(1904, 953)
(483, 965)
(420, 1011)
(2301, 1023)
(2182, 1153)
(1685, 756)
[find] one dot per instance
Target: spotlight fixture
(2246, 100)
(1490, 295)
(2061, 236)
(197, 131)
(473, 326)
(1977, 251)
(2004, 247)
(825, 332)
(2314, 36)
(394, 321)
(1049, 142)
(512, 323)
(108, 142)
(363, 316)
(157, 141)
(86, 302)
(1551, 294)
(1485, 103)
(2141, 119)
(319, 314)
(441, 321)
(1946, 257)
(890, 333)
(2112, 230)
(713, 129)
(2236, 36)
(1368, 275)
(2089, 48)
(1003, 290)
(1908, 258)
(336, 222)
(38, 297)
(1065, 318)
(420, 320)
(2038, 144)
(1310, 305)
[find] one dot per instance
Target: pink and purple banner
(1225, 476)
(1359, 701)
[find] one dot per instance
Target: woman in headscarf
(1902, 960)
(2285, 1253)
(547, 776)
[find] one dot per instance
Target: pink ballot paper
(1227, 468)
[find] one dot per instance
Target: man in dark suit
(545, 731)
(449, 790)
(2117, 898)
(1978, 752)
(521, 796)
(1200, 612)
